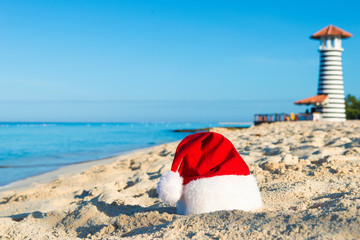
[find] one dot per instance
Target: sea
(29, 149)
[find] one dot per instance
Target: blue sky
(165, 60)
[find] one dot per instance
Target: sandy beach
(308, 174)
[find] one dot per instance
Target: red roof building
(315, 100)
(331, 30)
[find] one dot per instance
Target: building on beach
(329, 103)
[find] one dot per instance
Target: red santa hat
(207, 175)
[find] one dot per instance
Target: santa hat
(207, 175)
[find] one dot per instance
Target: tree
(352, 106)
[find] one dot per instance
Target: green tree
(352, 106)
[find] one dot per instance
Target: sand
(308, 174)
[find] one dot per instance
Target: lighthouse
(330, 101)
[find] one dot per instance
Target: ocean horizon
(31, 148)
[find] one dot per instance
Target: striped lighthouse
(331, 73)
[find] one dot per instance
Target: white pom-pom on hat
(170, 187)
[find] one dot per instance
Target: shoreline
(45, 150)
(68, 168)
(72, 168)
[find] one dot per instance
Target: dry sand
(308, 174)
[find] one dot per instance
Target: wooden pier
(281, 117)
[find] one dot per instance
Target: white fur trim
(226, 192)
(170, 187)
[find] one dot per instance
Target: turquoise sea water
(28, 149)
